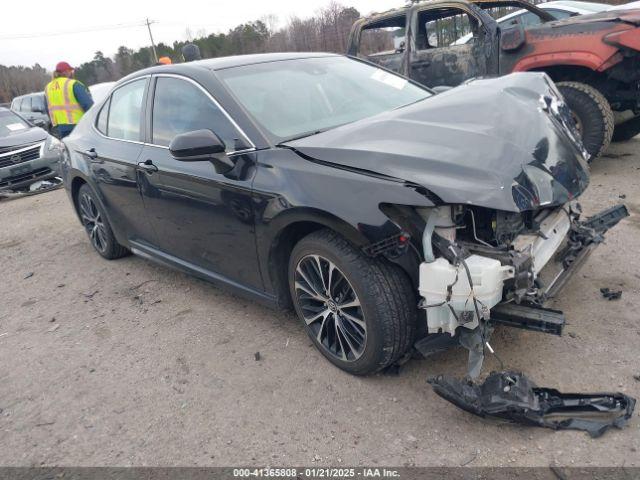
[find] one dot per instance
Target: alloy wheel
(93, 224)
(330, 308)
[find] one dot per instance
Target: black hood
(23, 137)
(500, 143)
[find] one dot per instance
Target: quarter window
(126, 111)
(180, 106)
(101, 124)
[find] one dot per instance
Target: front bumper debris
(513, 396)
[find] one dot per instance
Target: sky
(42, 35)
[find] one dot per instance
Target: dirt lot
(129, 363)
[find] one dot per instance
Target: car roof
(221, 63)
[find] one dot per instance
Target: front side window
(37, 103)
(296, 97)
(179, 106)
(444, 27)
(125, 114)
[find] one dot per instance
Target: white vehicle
(100, 90)
(560, 9)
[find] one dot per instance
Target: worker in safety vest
(67, 100)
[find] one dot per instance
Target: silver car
(27, 153)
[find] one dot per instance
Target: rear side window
(26, 104)
(180, 106)
(125, 113)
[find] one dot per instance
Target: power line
(72, 32)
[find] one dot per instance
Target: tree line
(327, 31)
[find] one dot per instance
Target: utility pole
(153, 45)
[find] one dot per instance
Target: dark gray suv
(33, 108)
(27, 153)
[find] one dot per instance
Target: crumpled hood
(23, 137)
(498, 143)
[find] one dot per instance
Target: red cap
(62, 67)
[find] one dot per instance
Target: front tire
(593, 114)
(97, 226)
(360, 312)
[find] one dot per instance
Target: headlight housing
(54, 144)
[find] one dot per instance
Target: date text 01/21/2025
(316, 472)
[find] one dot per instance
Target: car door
(203, 218)
(112, 154)
(441, 55)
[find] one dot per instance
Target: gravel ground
(129, 363)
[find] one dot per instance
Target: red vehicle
(594, 59)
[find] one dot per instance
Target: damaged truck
(594, 59)
(388, 217)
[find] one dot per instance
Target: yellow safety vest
(64, 108)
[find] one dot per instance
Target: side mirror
(512, 38)
(201, 146)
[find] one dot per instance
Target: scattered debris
(513, 396)
(60, 285)
(45, 424)
(90, 295)
(611, 294)
(635, 377)
(623, 196)
(3, 334)
(54, 328)
(28, 275)
(53, 319)
(257, 356)
(472, 459)
(560, 475)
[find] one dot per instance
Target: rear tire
(97, 226)
(593, 115)
(360, 339)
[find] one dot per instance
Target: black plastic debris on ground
(513, 396)
(611, 294)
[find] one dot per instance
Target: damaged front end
(484, 267)
(513, 258)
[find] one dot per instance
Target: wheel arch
(289, 232)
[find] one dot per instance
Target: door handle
(91, 154)
(147, 166)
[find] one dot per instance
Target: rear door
(203, 217)
(113, 154)
(442, 55)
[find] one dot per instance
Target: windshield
(294, 98)
(11, 123)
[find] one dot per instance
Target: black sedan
(328, 184)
